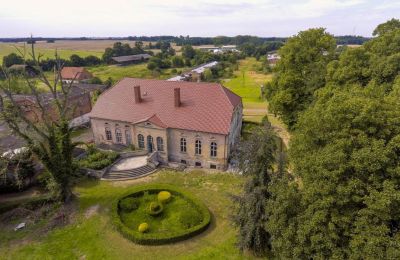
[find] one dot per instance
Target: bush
(155, 208)
(97, 159)
(128, 204)
(164, 196)
(143, 228)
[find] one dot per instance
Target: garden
(159, 214)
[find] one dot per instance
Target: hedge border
(159, 238)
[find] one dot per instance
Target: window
(118, 135)
(198, 164)
(140, 141)
(183, 161)
(213, 149)
(183, 145)
(128, 137)
(213, 166)
(160, 144)
(197, 147)
(108, 134)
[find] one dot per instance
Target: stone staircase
(129, 174)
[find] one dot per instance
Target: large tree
(49, 138)
(257, 158)
(299, 73)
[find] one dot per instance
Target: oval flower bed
(158, 214)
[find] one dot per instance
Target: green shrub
(190, 219)
(164, 196)
(155, 208)
(143, 228)
(128, 204)
(97, 159)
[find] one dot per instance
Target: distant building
(196, 124)
(220, 50)
(75, 75)
(23, 69)
(79, 97)
(194, 74)
(124, 60)
(273, 58)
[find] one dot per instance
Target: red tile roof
(78, 73)
(205, 107)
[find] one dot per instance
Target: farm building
(124, 60)
(195, 124)
(75, 75)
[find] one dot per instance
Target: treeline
(195, 41)
(341, 198)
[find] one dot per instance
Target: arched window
(213, 149)
(140, 141)
(128, 138)
(183, 145)
(108, 134)
(197, 147)
(160, 144)
(118, 135)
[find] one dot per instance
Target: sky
(266, 18)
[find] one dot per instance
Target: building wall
(175, 154)
(171, 139)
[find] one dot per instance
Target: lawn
(247, 84)
(91, 234)
(133, 71)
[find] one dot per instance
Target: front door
(128, 137)
(150, 146)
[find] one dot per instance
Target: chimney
(177, 96)
(138, 97)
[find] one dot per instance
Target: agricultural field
(90, 233)
(66, 48)
(247, 84)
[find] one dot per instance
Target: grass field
(91, 234)
(134, 71)
(247, 84)
(47, 51)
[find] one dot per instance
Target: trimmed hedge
(165, 237)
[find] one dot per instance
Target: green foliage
(183, 217)
(299, 73)
(388, 27)
(97, 159)
(256, 158)
(155, 208)
(164, 196)
(128, 204)
(12, 59)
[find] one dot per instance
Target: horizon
(197, 19)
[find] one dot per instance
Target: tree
(92, 60)
(49, 139)
(388, 27)
(188, 52)
(345, 154)
(256, 160)
(77, 61)
(299, 73)
(12, 59)
(177, 62)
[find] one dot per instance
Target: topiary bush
(155, 208)
(164, 196)
(128, 204)
(143, 227)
